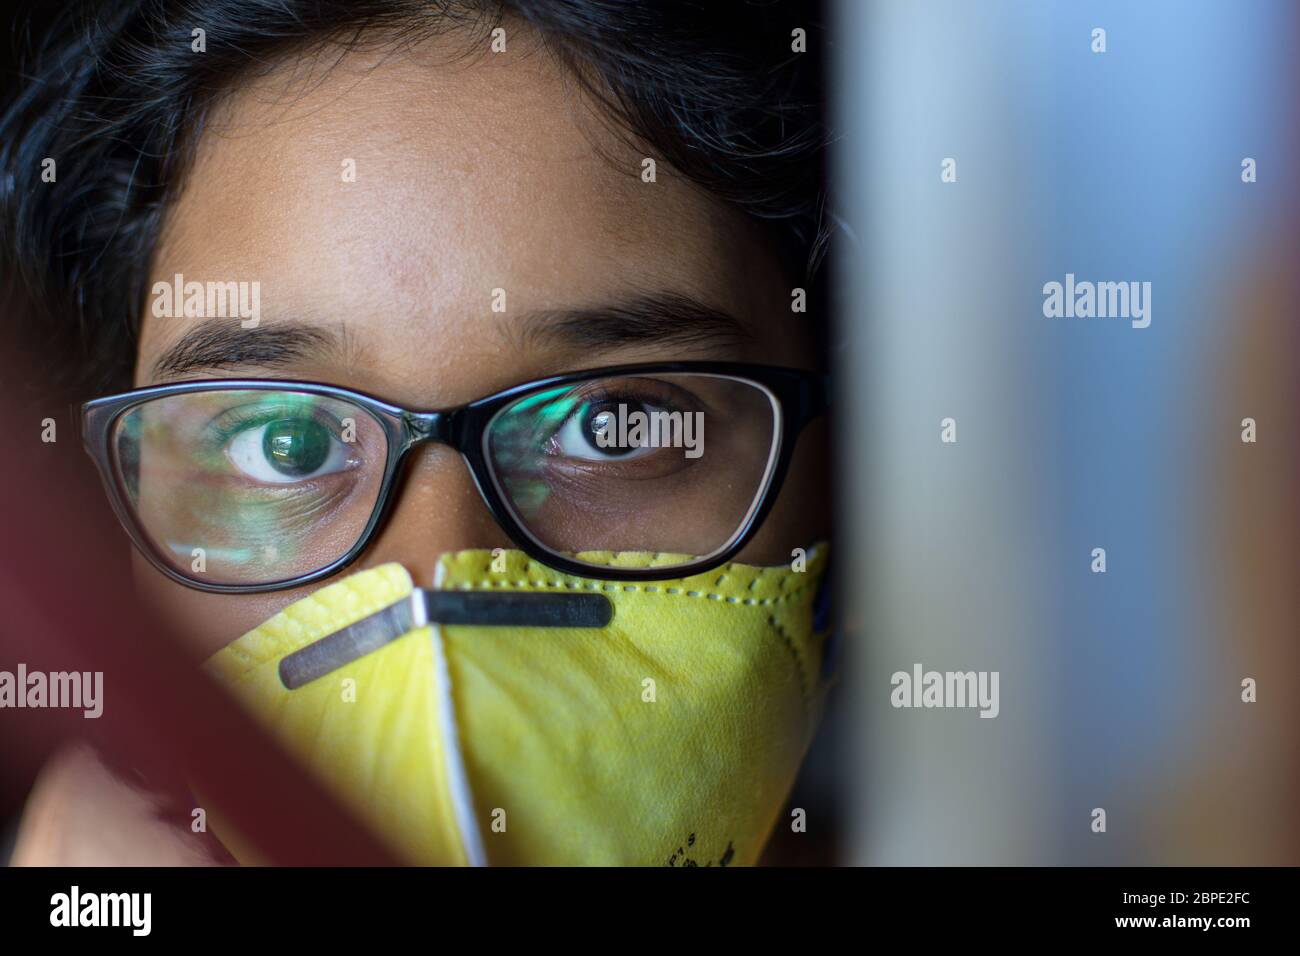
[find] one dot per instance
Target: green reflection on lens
(520, 438)
(258, 530)
(293, 430)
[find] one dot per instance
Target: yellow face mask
(669, 736)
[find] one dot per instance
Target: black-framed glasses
(243, 485)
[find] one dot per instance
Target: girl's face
(382, 204)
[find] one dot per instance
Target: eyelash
(233, 421)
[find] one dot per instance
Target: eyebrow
(663, 319)
(666, 318)
(214, 346)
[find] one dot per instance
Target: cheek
(802, 514)
(207, 622)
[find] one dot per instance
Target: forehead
(397, 191)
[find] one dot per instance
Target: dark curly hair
(116, 96)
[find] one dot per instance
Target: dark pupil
(605, 418)
(296, 446)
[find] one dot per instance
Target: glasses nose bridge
(421, 427)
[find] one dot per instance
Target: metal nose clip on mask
(516, 715)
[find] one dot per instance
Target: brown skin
(486, 172)
(470, 176)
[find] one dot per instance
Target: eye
(601, 432)
(287, 450)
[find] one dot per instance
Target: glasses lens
(672, 463)
(250, 486)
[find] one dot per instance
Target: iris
(296, 446)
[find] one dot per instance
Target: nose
(437, 509)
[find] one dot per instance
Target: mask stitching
(533, 567)
(752, 602)
(801, 669)
(799, 666)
